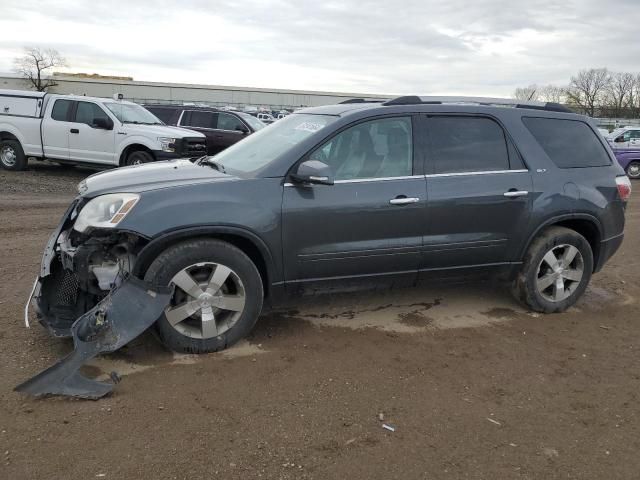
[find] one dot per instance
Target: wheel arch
(133, 147)
(583, 223)
(246, 241)
(7, 135)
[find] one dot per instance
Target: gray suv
(358, 192)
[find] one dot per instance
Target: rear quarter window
(568, 143)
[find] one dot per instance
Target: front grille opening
(67, 293)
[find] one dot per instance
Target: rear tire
(633, 170)
(233, 304)
(556, 271)
(138, 157)
(12, 156)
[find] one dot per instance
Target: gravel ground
(475, 386)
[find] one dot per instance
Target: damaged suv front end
(85, 258)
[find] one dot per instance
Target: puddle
(410, 310)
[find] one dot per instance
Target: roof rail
(360, 100)
(486, 101)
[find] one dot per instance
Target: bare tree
(552, 93)
(618, 92)
(587, 89)
(633, 99)
(526, 93)
(35, 63)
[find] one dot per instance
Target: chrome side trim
(379, 179)
(432, 175)
(365, 180)
(462, 174)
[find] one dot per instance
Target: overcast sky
(474, 47)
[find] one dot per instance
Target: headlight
(105, 211)
(167, 144)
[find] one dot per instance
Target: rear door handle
(516, 193)
(74, 130)
(403, 200)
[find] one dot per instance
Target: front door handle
(516, 193)
(403, 200)
(74, 130)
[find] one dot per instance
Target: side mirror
(103, 123)
(313, 172)
(242, 129)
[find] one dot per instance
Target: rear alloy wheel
(556, 271)
(217, 298)
(559, 273)
(11, 155)
(138, 157)
(633, 169)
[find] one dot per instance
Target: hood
(161, 131)
(150, 176)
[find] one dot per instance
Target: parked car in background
(86, 130)
(222, 128)
(626, 137)
(378, 193)
(604, 132)
(629, 159)
(266, 118)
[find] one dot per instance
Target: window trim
(429, 167)
(416, 165)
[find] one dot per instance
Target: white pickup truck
(86, 130)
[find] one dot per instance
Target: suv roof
(361, 104)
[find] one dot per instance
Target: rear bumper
(608, 248)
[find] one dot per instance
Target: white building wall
(153, 92)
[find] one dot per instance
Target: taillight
(624, 187)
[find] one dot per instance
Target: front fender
(136, 140)
(161, 242)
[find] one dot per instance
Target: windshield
(252, 121)
(132, 113)
(264, 146)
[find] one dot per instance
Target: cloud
(417, 46)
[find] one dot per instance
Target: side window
(374, 149)
(199, 119)
(568, 143)
(86, 112)
(467, 144)
(61, 110)
(229, 122)
(635, 134)
(164, 114)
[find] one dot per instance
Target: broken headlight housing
(105, 211)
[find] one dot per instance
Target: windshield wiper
(212, 163)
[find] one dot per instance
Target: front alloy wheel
(208, 300)
(633, 169)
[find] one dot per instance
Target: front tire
(138, 157)
(556, 271)
(633, 170)
(12, 156)
(218, 295)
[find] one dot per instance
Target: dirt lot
(475, 386)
